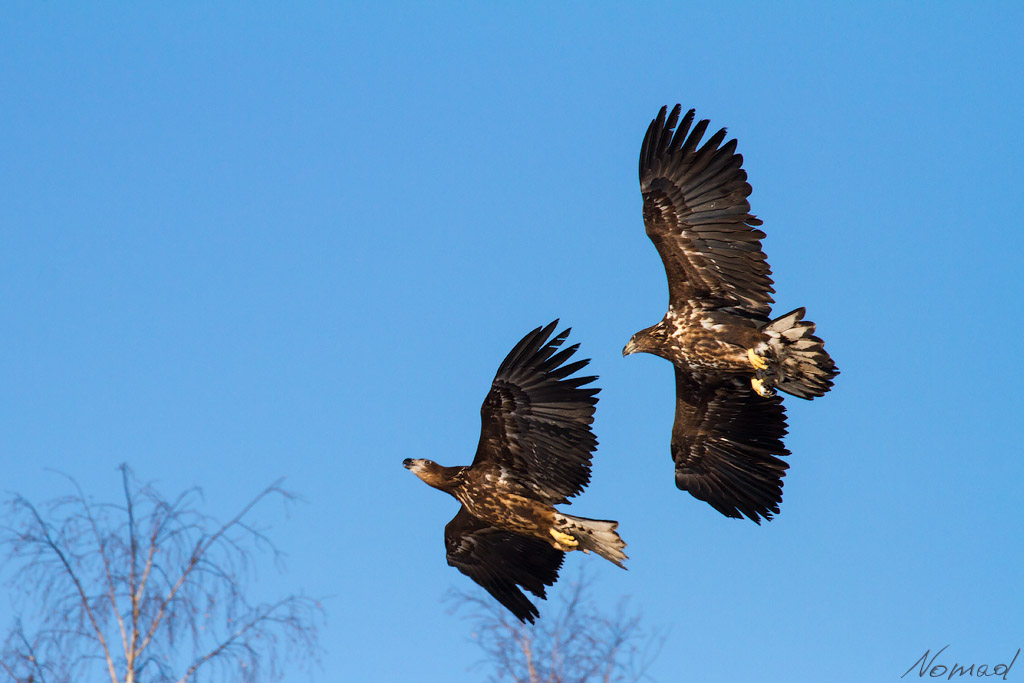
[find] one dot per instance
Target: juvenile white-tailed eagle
(729, 355)
(534, 453)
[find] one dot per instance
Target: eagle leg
(759, 362)
(563, 541)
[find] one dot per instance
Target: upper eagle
(535, 449)
(729, 355)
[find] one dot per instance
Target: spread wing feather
(724, 442)
(697, 214)
(536, 418)
(502, 561)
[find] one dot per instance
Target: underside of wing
(697, 214)
(536, 419)
(726, 444)
(502, 562)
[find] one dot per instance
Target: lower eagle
(535, 449)
(730, 356)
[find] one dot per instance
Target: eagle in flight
(534, 453)
(730, 357)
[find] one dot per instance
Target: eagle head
(427, 470)
(649, 340)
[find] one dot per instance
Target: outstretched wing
(724, 442)
(502, 561)
(536, 418)
(697, 214)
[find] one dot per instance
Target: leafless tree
(148, 589)
(572, 642)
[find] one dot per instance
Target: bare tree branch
(44, 538)
(175, 594)
(573, 642)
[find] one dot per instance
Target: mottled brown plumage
(535, 449)
(729, 355)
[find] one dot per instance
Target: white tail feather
(595, 535)
(801, 366)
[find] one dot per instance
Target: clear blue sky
(239, 241)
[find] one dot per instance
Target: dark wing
(697, 214)
(501, 561)
(536, 418)
(724, 442)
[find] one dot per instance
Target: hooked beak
(629, 348)
(407, 463)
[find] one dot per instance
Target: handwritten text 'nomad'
(928, 667)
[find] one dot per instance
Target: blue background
(248, 240)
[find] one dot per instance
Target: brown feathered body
(492, 496)
(702, 343)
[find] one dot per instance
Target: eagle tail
(802, 367)
(594, 535)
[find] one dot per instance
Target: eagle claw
(761, 389)
(563, 541)
(759, 362)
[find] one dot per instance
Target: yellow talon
(759, 362)
(760, 388)
(563, 539)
